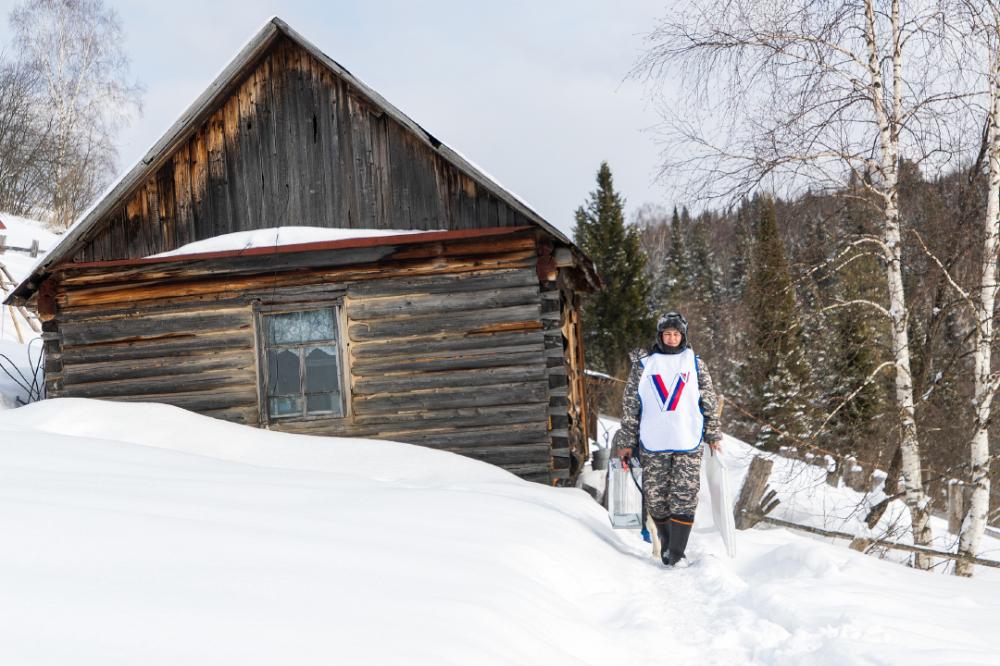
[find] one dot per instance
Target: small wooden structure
(464, 336)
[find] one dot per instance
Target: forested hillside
(784, 300)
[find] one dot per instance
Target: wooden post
(34, 248)
(17, 327)
(30, 318)
(876, 513)
(956, 506)
(752, 502)
(853, 474)
(3, 243)
(833, 471)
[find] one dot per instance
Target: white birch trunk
(916, 499)
(974, 525)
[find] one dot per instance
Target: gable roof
(208, 101)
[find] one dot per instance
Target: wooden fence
(33, 251)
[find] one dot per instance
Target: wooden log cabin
(457, 328)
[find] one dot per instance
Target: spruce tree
(856, 338)
(854, 355)
(706, 284)
(775, 373)
(675, 275)
(739, 261)
(617, 318)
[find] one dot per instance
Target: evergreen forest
(780, 299)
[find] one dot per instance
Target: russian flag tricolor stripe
(669, 398)
(661, 388)
(676, 395)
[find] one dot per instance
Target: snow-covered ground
(145, 534)
(17, 360)
(15, 330)
(20, 232)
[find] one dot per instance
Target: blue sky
(534, 92)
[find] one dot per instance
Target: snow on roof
(517, 197)
(279, 236)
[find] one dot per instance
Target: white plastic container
(624, 496)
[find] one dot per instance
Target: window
(302, 364)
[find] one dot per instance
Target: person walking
(668, 411)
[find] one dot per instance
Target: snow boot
(680, 530)
(663, 532)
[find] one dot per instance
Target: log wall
(293, 144)
(457, 346)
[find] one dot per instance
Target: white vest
(671, 418)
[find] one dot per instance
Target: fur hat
(674, 320)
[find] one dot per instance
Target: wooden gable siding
(446, 343)
(293, 145)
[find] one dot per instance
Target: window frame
(261, 312)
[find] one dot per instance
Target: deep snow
(145, 534)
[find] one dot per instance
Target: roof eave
(312, 246)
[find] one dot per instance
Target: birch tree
(794, 94)
(75, 47)
(985, 26)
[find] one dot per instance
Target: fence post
(34, 248)
(753, 502)
(3, 243)
(833, 471)
(956, 512)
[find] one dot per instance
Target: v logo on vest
(669, 398)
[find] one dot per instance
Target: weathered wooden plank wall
(446, 342)
(293, 144)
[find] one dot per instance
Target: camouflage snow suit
(670, 480)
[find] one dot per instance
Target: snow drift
(145, 534)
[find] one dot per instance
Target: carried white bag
(717, 477)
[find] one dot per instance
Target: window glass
(322, 403)
(283, 372)
(285, 406)
(302, 364)
(321, 369)
(306, 326)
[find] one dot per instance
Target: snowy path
(144, 534)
